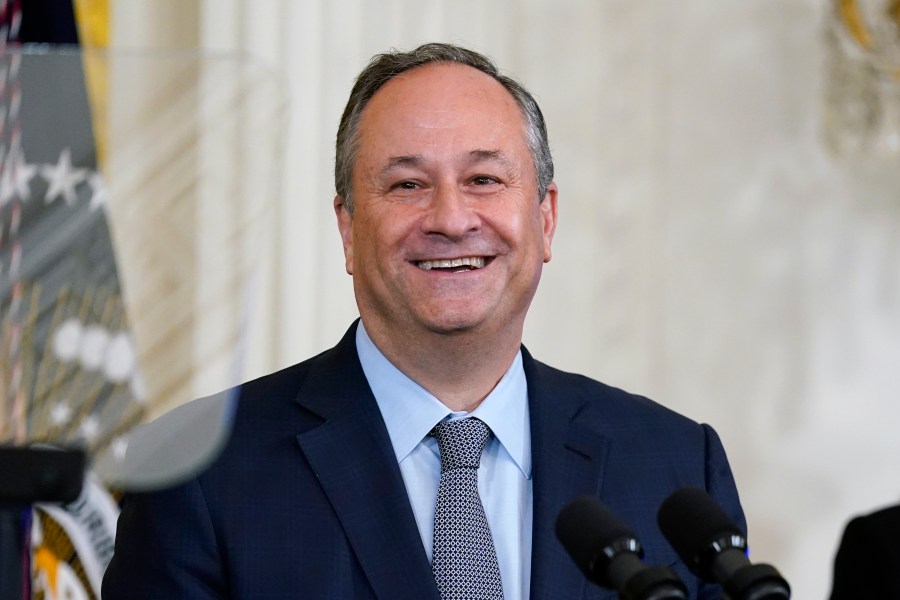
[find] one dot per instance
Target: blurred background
(729, 233)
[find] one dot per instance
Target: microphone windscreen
(691, 520)
(585, 527)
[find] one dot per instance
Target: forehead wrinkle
(480, 155)
(410, 160)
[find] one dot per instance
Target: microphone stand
(29, 475)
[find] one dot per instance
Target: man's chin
(452, 327)
(454, 323)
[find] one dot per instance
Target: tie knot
(461, 442)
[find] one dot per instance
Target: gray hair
(384, 67)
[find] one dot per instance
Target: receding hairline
(473, 72)
(382, 68)
(508, 98)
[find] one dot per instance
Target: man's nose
(450, 213)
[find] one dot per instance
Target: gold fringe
(92, 18)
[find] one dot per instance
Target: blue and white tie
(464, 561)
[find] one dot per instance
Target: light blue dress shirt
(504, 479)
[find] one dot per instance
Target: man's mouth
(467, 263)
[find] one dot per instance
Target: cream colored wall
(710, 253)
(195, 142)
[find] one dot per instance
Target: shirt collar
(410, 411)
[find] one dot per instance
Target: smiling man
(447, 231)
(427, 455)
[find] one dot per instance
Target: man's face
(448, 233)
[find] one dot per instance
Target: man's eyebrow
(476, 156)
(411, 160)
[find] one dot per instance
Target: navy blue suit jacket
(307, 500)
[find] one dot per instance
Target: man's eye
(406, 185)
(484, 180)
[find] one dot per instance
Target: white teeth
(476, 262)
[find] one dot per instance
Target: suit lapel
(351, 455)
(568, 460)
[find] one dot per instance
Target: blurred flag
(68, 371)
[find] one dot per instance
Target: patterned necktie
(464, 561)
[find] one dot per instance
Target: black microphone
(608, 553)
(714, 548)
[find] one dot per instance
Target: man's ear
(345, 227)
(548, 218)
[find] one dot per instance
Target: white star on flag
(62, 178)
(99, 195)
(22, 174)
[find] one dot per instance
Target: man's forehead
(443, 113)
(438, 87)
